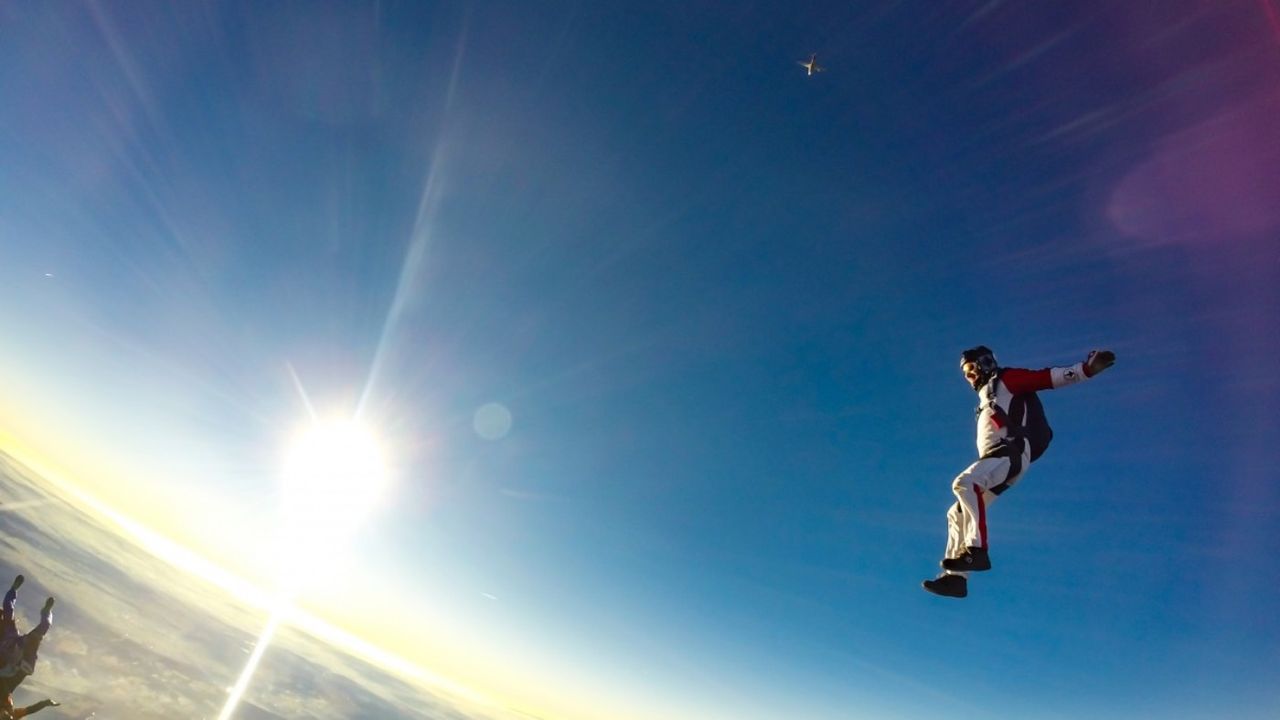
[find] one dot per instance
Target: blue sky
(723, 303)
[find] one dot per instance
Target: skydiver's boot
(948, 585)
(972, 559)
(48, 607)
(17, 582)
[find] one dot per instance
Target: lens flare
(250, 667)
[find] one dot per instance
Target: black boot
(955, 586)
(972, 559)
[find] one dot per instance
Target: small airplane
(812, 66)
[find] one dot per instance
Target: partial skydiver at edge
(19, 652)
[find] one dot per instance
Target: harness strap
(998, 414)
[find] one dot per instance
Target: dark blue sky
(722, 302)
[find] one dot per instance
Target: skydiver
(1012, 433)
(18, 652)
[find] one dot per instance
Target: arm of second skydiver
(37, 707)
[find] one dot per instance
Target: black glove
(1099, 360)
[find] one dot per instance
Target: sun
(334, 475)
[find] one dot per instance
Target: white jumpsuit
(1003, 459)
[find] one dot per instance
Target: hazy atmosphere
(600, 361)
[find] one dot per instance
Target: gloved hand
(1098, 361)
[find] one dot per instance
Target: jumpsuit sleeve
(28, 710)
(1019, 380)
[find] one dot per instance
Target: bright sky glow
(333, 476)
(264, 599)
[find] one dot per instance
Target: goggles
(983, 364)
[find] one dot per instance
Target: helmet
(984, 363)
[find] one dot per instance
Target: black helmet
(984, 359)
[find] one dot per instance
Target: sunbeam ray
(420, 236)
(302, 392)
(250, 667)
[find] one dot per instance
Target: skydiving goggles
(979, 366)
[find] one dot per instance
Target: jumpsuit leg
(31, 641)
(6, 619)
(972, 489)
(959, 526)
(10, 640)
(967, 519)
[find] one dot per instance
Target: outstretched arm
(23, 712)
(1020, 381)
(37, 707)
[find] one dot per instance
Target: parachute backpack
(1027, 414)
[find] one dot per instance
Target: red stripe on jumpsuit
(982, 515)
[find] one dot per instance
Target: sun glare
(334, 476)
